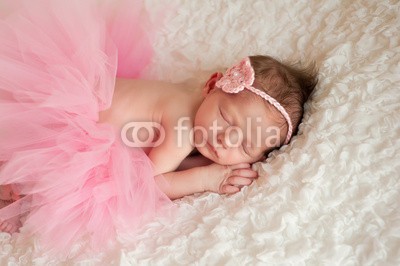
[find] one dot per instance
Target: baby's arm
(172, 150)
(179, 184)
(214, 177)
(194, 161)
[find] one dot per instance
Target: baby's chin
(206, 153)
(220, 159)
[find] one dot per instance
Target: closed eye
(223, 116)
(244, 148)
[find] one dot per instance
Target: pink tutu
(59, 60)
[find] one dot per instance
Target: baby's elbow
(161, 164)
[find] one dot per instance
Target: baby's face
(235, 128)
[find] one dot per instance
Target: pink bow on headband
(241, 76)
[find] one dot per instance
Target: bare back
(160, 102)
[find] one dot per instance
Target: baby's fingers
(239, 181)
(229, 189)
(239, 166)
(247, 172)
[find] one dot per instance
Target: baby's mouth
(212, 149)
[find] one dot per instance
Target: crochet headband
(240, 77)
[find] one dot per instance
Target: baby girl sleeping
(232, 122)
(89, 151)
(206, 140)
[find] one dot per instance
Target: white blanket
(330, 197)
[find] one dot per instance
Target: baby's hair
(289, 84)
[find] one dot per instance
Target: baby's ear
(211, 82)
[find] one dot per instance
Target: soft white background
(332, 196)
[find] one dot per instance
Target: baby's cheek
(229, 157)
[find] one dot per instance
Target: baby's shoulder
(178, 127)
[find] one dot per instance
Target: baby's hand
(228, 179)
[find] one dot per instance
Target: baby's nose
(229, 139)
(221, 141)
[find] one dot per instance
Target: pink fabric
(240, 77)
(59, 60)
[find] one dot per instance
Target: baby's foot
(7, 193)
(10, 226)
